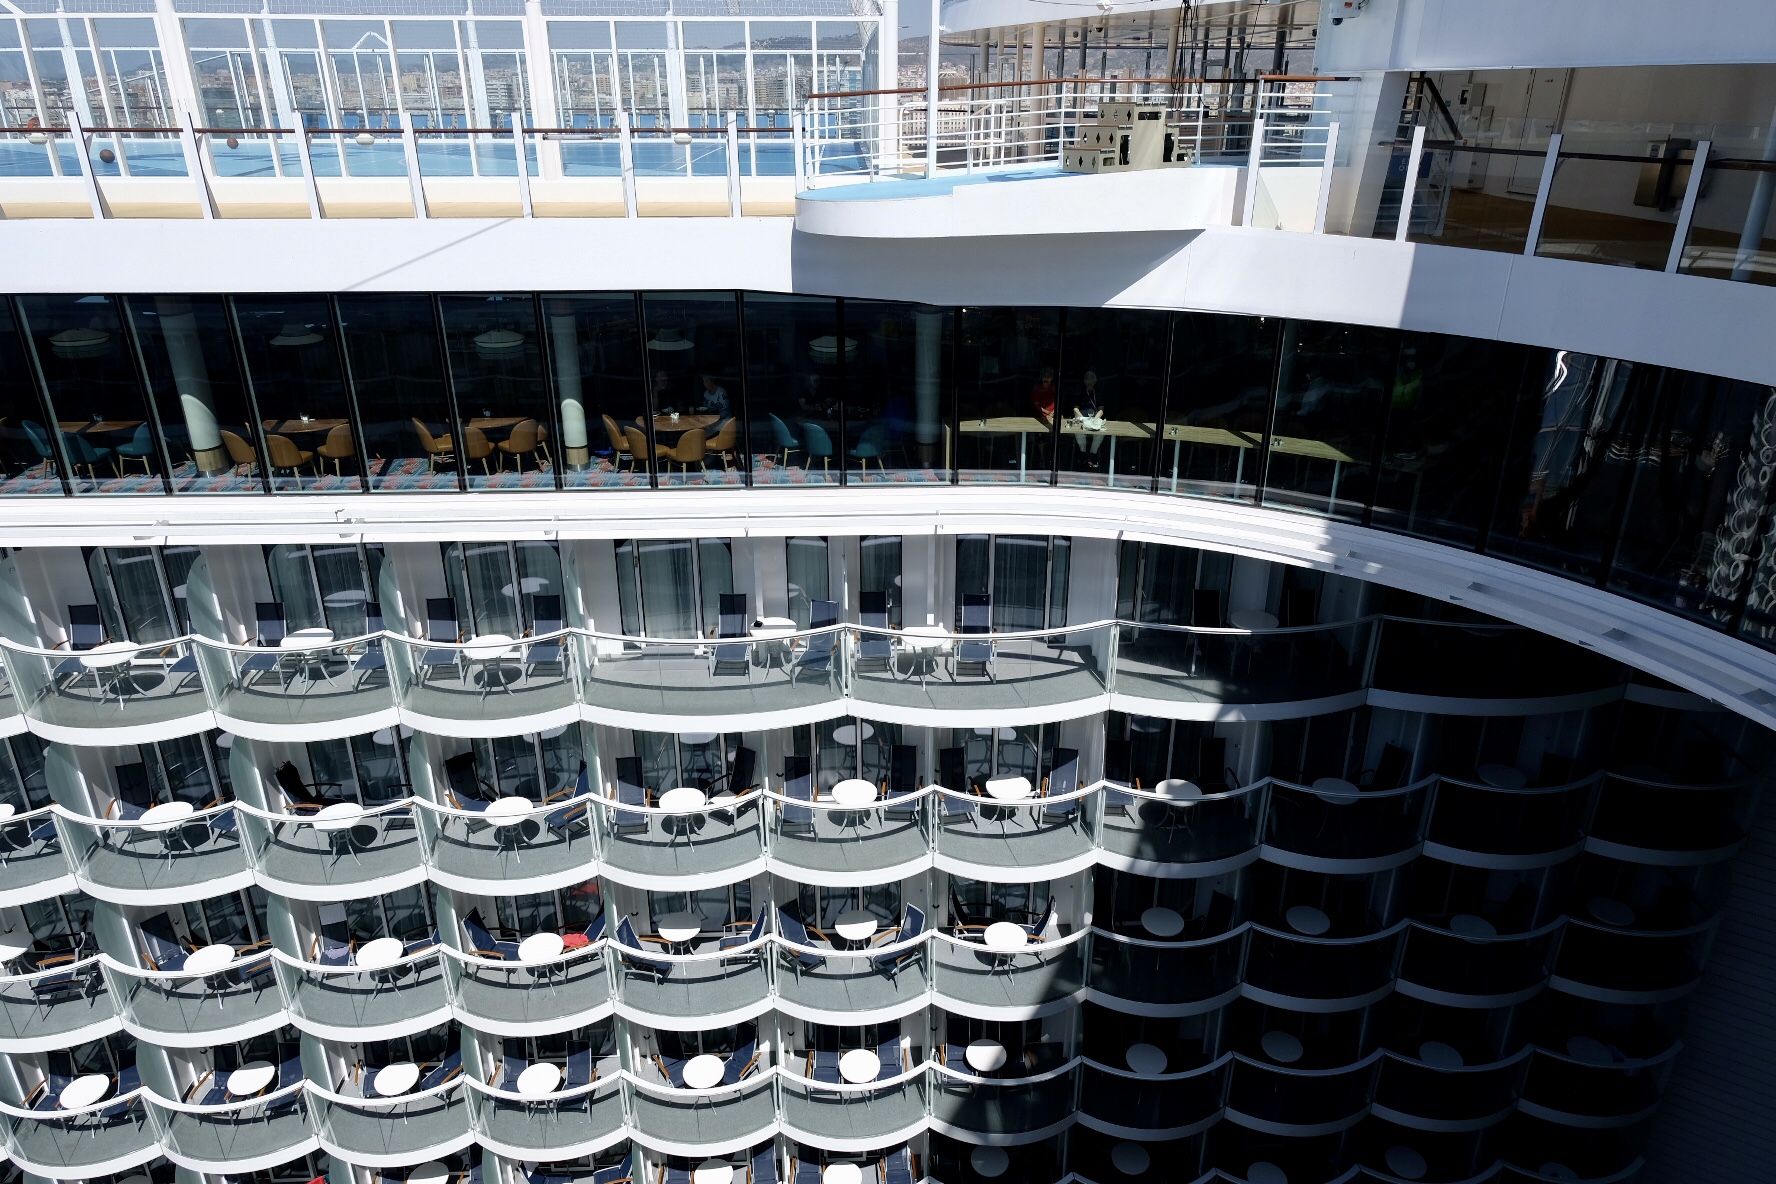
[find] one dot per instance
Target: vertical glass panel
(103, 433)
(808, 575)
(492, 594)
(1552, 510)
(347, 597)
(1218, 404)
(1611, 210)
(291, 573)
(496, 371)
(1060, 567)
(391, 343)
(291, 350)
(974, 571)
(595, 357)
(206, 418)
(27, 455)
(794, 367)
(1020, 582)
(668, 588)
(1111, 389)
(1446, 424)
(1007, 394)
(715, 570)
(1331, 387)
(132, 598)
(693, 362)
(897, 391)
(880, 560)
(539, 576)
(1733, 233)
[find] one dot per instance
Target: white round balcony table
(338, 816)
(12, 947)
(344, 598)
(1131, 1159)
(428, 1173)
(685, 799)
(841, 1173)
(539, 948)
(1145, 1058)
(391, 1081)
(703, 1072)
(1589, 1050)
(997, 733)
(166, 816)
(1009, 789)
(1469, 925)
(1178, 787)
(7, 809)
(1003, 937)
(108, 654)
(713, 1172)
(860, 1065)
(854, 792)
(1405, 1163)
(386, 736)
(1501, 777)
(768, 628)
(490, 647)
(509, 811)
(250, 1078)
(1162, 922)
(924, 639)
(1336, 791)
(697, 739)
(678, 928)
(1305, 918)
(539, 1080)
(306, 639)
(850, 734)
(984, 1056)
(1265, 1172)
(84, 1091)
(1439, 1055)
(1610, 911)
(209, 959)
(379, 953)
(856, 925)
(135, 1180)
(990, 1162)
(1281, 1047)
(1557, 1171)
(1252, 620)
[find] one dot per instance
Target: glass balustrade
(824, 838)
(1334, 819)
(1452, 1093)
(9, 705)
(524, 838)
(31, 849)
(1302, 968)
(1483, 660)
(1560, 1084)
(1029, 830)
(682, 832)
(556, 1125)
(1475, 966)
(696, 984)
(407, 1128)
(1586, 217)
(63, 994)
(1168, 828)
(1733, 234)
(1155, 1102)
(727, 1114)
(929, 667)
(997, 1108)
(112, 685)
(840, 1110)
(1682, 821)
(975, 976)
(1626, 965)
(358, 845)
(509, 993)
(188, 850)
(1174, 977)
(715, 676)
(71, 1143)
(1524, 823)
(492, 677)
(828, 980)
(403, 991)
(1197, 665)
(309, 678)
(243, 991)
(226, 1135)
(1300, 1097)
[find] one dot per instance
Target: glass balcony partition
(60, 995)
(668, 832)
(308, 677)
(1170, 977)
(1483, 659)
(558, 1124)
(1486, 820)
(1468, 1094)
(662, 979)
(1328, 821)
(823, 977)
(1171, 826)
(494, 676)
(352, 845)
(1224, 665)
(1047, 829)
(224, 1135)
(975, 976)
(31, 849)
(403, 1129)
(70, 1143)
(1154, 1102)
(190, 849)
(998, 1108)
(182, 1003)
(1449, 963)
(894, 1103)
(1289, 966)
(743, 1112)
(1733, 236)
(1626, 965)
(510, 991)
(924, 666)
(826, 837)
(1676, 819)
(1311, 1098)
(525, 838)
(770, 670)
(114, 684)
(354, 995)
(1587, 218)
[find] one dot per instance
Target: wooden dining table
(97, 427)
(294, 427)
(684, 423)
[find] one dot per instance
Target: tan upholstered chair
(338, 447)
(638, 446)
(724, 441)
(240, 453)
(691, 449)
(527, 438)
(438, 449)
(285, 454)
(477, 447)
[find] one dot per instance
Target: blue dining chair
(818, 444)
(138, 449)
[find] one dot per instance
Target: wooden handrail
(919, 90)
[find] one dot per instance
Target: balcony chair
(128, 1079)
(875, 651)
(1041, 925)
(579, 1068)
(38, 439)
(818, 444)
(739, 779)
(464, 785)
(213, 1095)
(672, 1175)
(823, 1065)
(285, 456)
(527, 438)
(300, 797)
(289, 1073)
(803, 957)
(817, 656)
(1062, 779)
(636, 441)
(505, 1074)
(872, 444)
(417, 945)
(594, 930)
(806, 1171)
(731, 657)
(619, 444)
(671, 1069)
(912, 924)
(484, 943)
(897, 1166)
(783, 440)
(374, 656)
(963, 917)
(903, 782)
(162, 949)
(562, 819)
(976, 655)
(338, 447)
(63, 984)
(85, 630)
(798, 785)
(257, 971)
(630, 792)
(138, 449)
(893, 1060)
(441, 628)
(741, 1063)
(268, 618)
(629, 940)
(952, 774)
(620, 1174)
(763, 1169)
(448, 1069)
(134, 795)
(546, 615)
(1391, 769)
(746, 933)
(48, 1093)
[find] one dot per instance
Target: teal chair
(39, 440)
(818, 445)
(83, 454)
(138, 450)
(786, 443)
(871, 445)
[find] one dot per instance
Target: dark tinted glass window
(292, 353)
(1007, 392)
(1112, 383)
(27, 454)
(595, 360)
(1217, 404)
(508, 434)
(1332, 383)
(397, 372)
(694, 380)
(206, 419)
(795, 368)
(897, 382)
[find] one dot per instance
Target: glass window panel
(1112, 385)
(539, 574)
(382, 773)
(880, 559)
(491, 590)
(793, 378)
(496, 369)
(1218, 404)
(808, 576)
(781, 35)
(392, 345)
(1059, 568)
(641, 35)
(291, 573)
(1020, 582)
(595, 356)
(668, 588)
(206, 419)
(1007, 362)
(974, 571)
(131, 594)
(579, 35)
(346, 595)
(291, 350)
(1331, 386)
(27, 450)
(96, 392)
(693, 360)
(897, 391)
(715, 564)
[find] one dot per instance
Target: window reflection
(693, 363)
(595, 356)
(1331, 385)
(795, 363)
(293, 365)
(496, 369)
(1218, 404)
(195, 382)
(1112, 383)
(397, 374)
(1007, 394)
(27, 464)
(897, 402)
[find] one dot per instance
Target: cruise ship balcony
(47, 1138)
(1483, 825)
(1146, 1094)
(32, 865)
(1175, 664)
(1441, 1090)
(815, 978)
(531, 831)
(655, 839)
(696, 980)
(877, 1096)
(723, 1118)
(54, 1000)
(1469, 962)
(1334, 824)
(336, 848)
(425, 1123)
(191, 851)
(286, 680)
(189, 1009)
(216, 1129)
(1632, 821)
(494, 988)
(1007, 825)
(977, 670)
(1011, 1111)
(978, 970)
(827, 841)
(517, 1117)
(730, 674)
(1175, 829)
(1149, 976)
(382, 985)
(1321, 974)
(96, 686)
(1586, 1085)
(1285, 1100)
(1619, 965)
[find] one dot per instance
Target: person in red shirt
(1042, 395)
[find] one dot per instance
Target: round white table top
(685, 799)
(344, 597)
(1590, 1050)
(83, 1091)
(924, 637)
(856, 925)
(854, 792)
(1470, 925)
(1145, 1058)
(989, 1161)
(1557, 1171)
(698, 739)
(678, 927)
(527, 584)
(490, 646)
(166, 815)
(1405, 1162)
(713, 1172)
(306, 639)
(1610, 911)
(386, 736)
(984, 1055)
(841, 1173)
(1439, 1055)
(1131, 1159)
(1008, 789)
(540, 947)
(539, 1080)
(379, 952)
(997, 733)
(849, 734)
(209, 959)
(1265, 1172)
(1251, 619)
(511, 809)
(395, 1079)
(1162, 922)
(7, 809)
(860, 1065)
(1178, 787)
(770, 628)
(338, 816)
(12, 947)
(1003, 937)
(703, 1072)
(109, 653)
(428, 1173)
(1305, 918)
(250, 1078)
(1501, 777)
(1338, 791)
(1281, 1047)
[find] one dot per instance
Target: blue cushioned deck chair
(952, 773)
(875, 651)
(1063, 778)
(796, 934)
(630, 792)
(911, 926)
(85, 630)
(660, 968)
(817, 656)
(546, 613)
(484, 943)
(975, 656)
(441, 627)
(798, 785)
(731, 657)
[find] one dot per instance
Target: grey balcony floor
(238, 1135)
(303, 697)
(522, 996)
(681, 684)
(842, 841)
(854, 1116)
(1045, 677)
(128, 696)
(381, 845)
(530, 849)
(711, 845)
(981, 979)
(705, 1118)
(22, 1015)
(191, 1006)
(1015, 839)
(852, 984)
(186, 855)
(694, 989)
(488, 692)
(30, 863)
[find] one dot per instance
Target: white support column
(520, 142)
(1327, 167)
(733, 165)
(626, 162)
(1757, 211)
(545, 103)
(1253, 156)
(564, 350)
(933, 60)
(175, 59)
(410, 149)
(928, 418)
(312, 191)
(191, 375)
(194, 166)
(1550, 162)
(1686, 215)
(83, 156)
(1409, 186)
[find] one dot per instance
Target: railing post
(93, 196)
(410, 149)
(194, 165)
(1549, 163)
(1414, 159)
(1686, 215)
(1253, 156)
(798, 138)
(626, 162)
(520, 146)
(733, 165)
(1325, 196)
